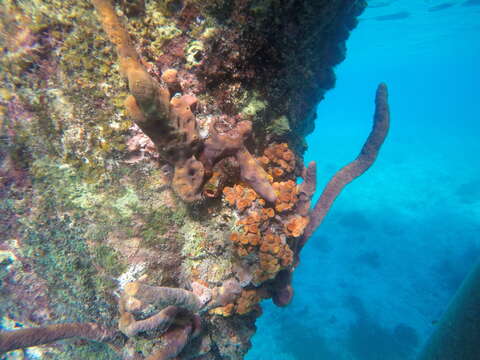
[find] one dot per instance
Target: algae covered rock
(112, 174)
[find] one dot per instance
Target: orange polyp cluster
(271, 243)
(253, 218)
(247, 302)
(295, 225)
(274, 255)
(286, 192)
(250, 238)
(226, 311)
(245, 243)
(251, 223)
(269, 267)
(266, 233)
(279, 159)
(277, 172)
(240, 196)
(267, 213)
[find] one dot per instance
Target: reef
(150, 159)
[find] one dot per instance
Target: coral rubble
(149, 158)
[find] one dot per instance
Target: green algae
(154, 28)
(254, 105)
(206, 249)
(125, 205)
(159, 222)
(193, 247)
(193, 54)
(108, 260)
(54, 238)
(62, 97)
(92, 350)
(280, 126)
(162, 34)
(7, 258)
(60, 254)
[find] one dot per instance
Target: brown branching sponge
(307, 189)
(160, 297)
(202, 298)
(282, 289)
(176, 339)
(172, 301)
(136, 297)
(229, 142)
(223, 295)
(23, 338)
(160, 322)
(174, 336)
(167, 118)
(367, 156)
(254, 175)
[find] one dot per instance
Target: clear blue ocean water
(399, 240)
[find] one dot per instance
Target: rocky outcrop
(149, 162)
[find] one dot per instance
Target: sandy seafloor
(398, 241)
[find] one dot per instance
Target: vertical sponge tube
(366, 158)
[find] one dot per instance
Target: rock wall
(94, 204)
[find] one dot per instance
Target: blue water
(398, 241)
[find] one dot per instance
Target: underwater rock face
(149, 156)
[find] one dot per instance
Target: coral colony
(193, 211)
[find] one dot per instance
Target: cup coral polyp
(286, 195)
(295, 225)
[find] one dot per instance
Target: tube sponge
(23, 338)
(161, 321)
(367, 156)
(163, 296)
